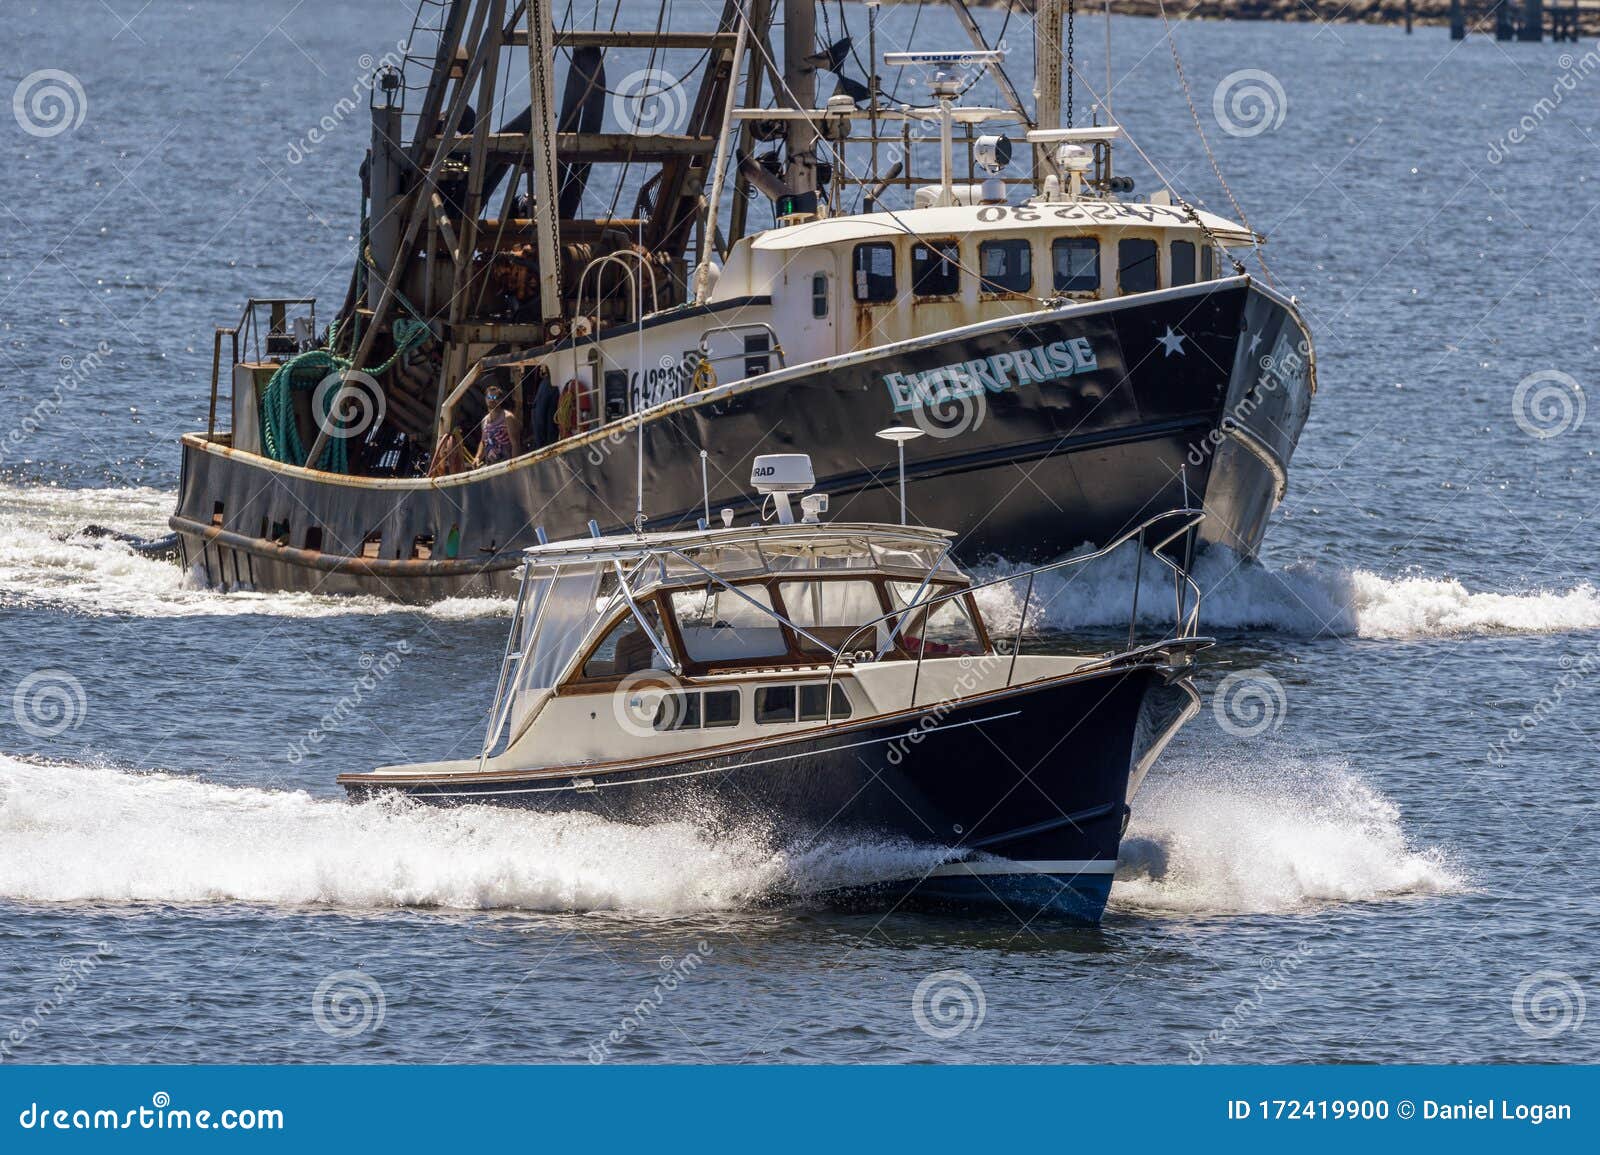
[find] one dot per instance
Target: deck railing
(1186, 617)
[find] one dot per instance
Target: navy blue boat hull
(1015, 800)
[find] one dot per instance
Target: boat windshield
(830, 611)
(944, 629)
(719, 625)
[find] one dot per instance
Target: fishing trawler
(1076, 357)
(830, 680)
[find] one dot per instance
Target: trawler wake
(46, 560)
(1303, 599)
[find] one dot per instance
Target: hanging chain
(1072, 20)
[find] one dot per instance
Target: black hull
(1027, 472)
(1020, 796)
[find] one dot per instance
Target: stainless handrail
(775, 347)
(1187, 626)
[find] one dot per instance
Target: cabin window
(873, 265)
(1006, 266)
(719, 625)
(422, 547)
(314, 539)
(936, 269)
(721, 708)
(948, 629)
(216, 513)
(1208, 266)
(626, 648)
(372, 544)
(1077, 264)
(831, 611)
(1183, 262)
(814, 702)
(1136, 265)
(775, 704)
(678, 711)
(819, 294)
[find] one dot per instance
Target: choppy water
(1345, 856)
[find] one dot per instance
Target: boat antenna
(638, 320)
(900, 434)
(1109, 84)
(705, 489)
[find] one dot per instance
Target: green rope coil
(280, 433)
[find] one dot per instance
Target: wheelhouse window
(1137, 259)
(1183, 262)
(830, 610)
(626, 648)
(944, 629)
(718, 625)
(935, 269)
(1076, 262)
(1208, 263)
(1006, 266)
(873, 266)
(819, 294)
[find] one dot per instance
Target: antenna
(900, 434)
(705, 489)
(944, 71)
(638, 320)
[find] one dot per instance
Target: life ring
(705, 377)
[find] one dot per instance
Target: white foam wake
(72, 833)
(45, 559)
(1305, 599)
(1230, 837)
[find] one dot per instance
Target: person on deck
(451, 456)
(501, 434)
